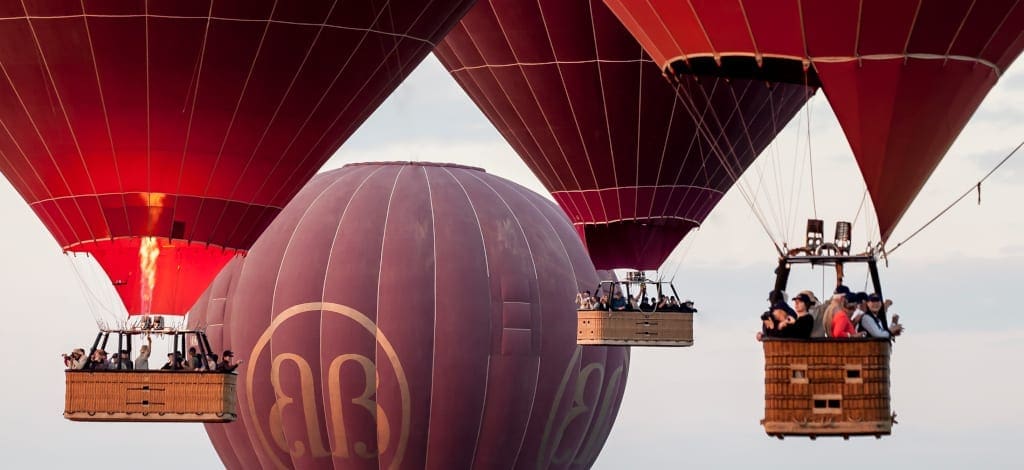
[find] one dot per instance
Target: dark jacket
(799, 330)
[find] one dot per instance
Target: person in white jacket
(76, 360)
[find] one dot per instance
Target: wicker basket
(827, 388)
(601, 328)
(149, 396)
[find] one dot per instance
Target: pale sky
(956, 372)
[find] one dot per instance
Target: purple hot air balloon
(410, 315)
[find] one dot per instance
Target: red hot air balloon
(574, 94)
(407, 315)
(903, 76)
(163, 136)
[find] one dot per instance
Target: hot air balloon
(161, 137)
(903, 77)
(578, 99)
(412, 315)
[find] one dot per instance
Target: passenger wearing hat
(872, 324)
(227, 362)
(804, 323)
(784, 322)
(841, 325)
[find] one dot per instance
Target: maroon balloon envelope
(163, 136)
(412, 315)
(903, 76)
(633, 165)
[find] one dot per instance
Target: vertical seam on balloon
(499, 116)
(483, 249)
(64, 243)
(270, 122)
(554, 233)
(106, 121)
(639, 127)
(750, 31)
(558, 144)
(572, 110)
(344, 109)
(664, 146)
(959, 28)
(192, 110)
(803, 30)
(433, 346)
(860, 24)
(509, 136)
(149, 128)
(703, 30)
(31, 196)
(67, 121)
(604, 107)
(330, 256)
(495, 117)
(641, 31)
(540, 307)
(284, 258)
(910, 33)
(230, 126)
(380, 276)
(996, 31)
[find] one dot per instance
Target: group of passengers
(100, 360)
(846, 315)
(619, 302)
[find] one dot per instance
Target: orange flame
(149, 251)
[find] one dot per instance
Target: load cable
(973, 188)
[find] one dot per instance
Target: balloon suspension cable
(690, 105)
(810, 151)
(973, 188)
(97, 307)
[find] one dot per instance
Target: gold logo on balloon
(596, 415)
(365, 402)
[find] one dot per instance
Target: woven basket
(603, 328)
(149, 396)
(827, 388)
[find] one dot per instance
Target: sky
(956, 384)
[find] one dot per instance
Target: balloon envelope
(903, 76)
(162, 136)
(413, 316)
(574, 94)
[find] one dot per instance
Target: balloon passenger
(619, 302)
(76, 360)
(823, 313)
(124, 362)
(871, 322)
(98, 361)
(173, 362)
(211, 361)
(195, 361)
(842, 327)
(228, 364)
(142, 362)
(781, 322)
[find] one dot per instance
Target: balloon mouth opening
(155, 275)
(412, 163)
